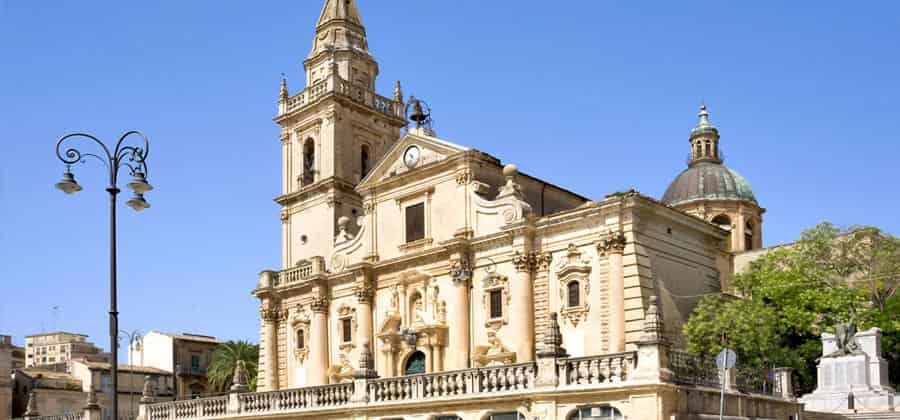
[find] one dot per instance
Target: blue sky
(595, 96)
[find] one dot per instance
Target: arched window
(574, 293)
(699, 152)
(723, 221)
(415, 364)
(506, 416)
(309, 161)
(301, 339)
(596, 413)
(748, 235)
(364, 161)
(708, 149)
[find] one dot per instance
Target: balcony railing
(455, 383)
(356, 93)
(302, 272)
(612, 368)
(190, 370)
(200, 408)
(296, 399)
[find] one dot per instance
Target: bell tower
(332, 133)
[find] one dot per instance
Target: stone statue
(845, 337)
(239, 382)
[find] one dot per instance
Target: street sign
(726, 359)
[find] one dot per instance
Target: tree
(224, 360)
(792, 294)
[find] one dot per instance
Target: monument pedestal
(856, 382)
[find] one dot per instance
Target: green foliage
(224, 360)
(793, 294)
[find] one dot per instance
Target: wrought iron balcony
(182, 370)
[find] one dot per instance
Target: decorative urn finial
(239, 381)
(283, 92)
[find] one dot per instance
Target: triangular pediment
(430, 151)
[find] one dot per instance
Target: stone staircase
(811, 415)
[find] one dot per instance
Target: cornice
(450, 165)
(321, 187)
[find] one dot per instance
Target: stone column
(521, 307)
(317, 363)
(365, 294)
(439, 358)
(429, 358)
(458, 302)
(269, 316)
(614, 247)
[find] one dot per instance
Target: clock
(411, 156)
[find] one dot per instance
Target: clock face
(411, 156)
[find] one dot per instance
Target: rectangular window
(496, 304)
(346, 330)
(195, 361)
(415, 222)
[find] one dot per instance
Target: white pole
(722, 394)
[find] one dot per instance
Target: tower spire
(340, 28)
(340, 10)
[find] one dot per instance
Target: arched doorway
(415, 364)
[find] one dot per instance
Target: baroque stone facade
(423, 279)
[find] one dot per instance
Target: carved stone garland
(495, 282)
(574, 268)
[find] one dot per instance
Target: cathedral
(425, 279)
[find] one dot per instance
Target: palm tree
(224, 360)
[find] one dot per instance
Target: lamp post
(135, 343)
(133, 157)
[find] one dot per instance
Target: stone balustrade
(552, 372)
(356, 93)
(596, 370)
(70, 416)
(302, 272)
(295, 399)
(505, 378)
(200, 408)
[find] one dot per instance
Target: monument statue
(845, 337)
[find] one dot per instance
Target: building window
(415, 222)
(596, 413)
(309, 162)
(415, 364)
(574, 294)
(301, 339)
(364, 161)
(708, 150)
(195, 362)
(346, 330)
(748, 235)
(506, 416)
(723, 221)
(496, 304)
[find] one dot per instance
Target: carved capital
(532, 261)
(368, 207)
(319, 304)
(613, 243)
(269, 315)
(465, 177)
(522, 261)
(365, 293)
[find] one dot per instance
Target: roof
(123, 368)
(710, 181)
(56, 333)
(50, 379)
(193, 337)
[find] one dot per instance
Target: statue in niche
(845, 337)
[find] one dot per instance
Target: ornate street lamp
(134, 158)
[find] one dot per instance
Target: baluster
(494, 381)
(520, 377)
(594, 372)
(460, 384)
(618, 368)
(392, 391)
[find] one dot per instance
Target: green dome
(708, 181)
